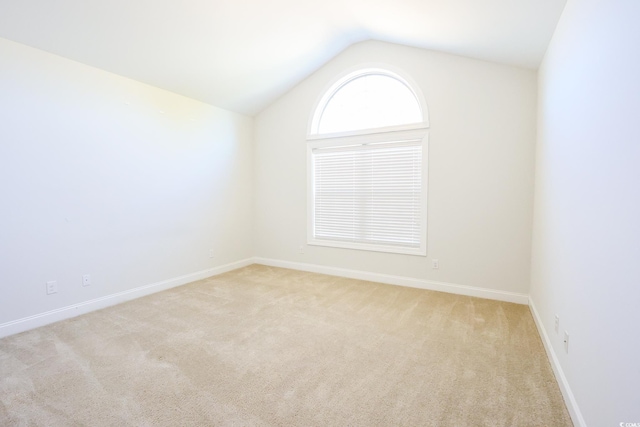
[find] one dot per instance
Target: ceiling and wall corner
(242, 55)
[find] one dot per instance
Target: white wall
(586, 245)
(104, 175)
(481, 150)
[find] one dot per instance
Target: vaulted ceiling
(243, 54)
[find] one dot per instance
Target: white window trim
(368, 132)
(413, 131)
(348, 138)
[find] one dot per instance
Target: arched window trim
(401, 134)
(356, 72)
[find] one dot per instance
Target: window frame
(352, 74)
(399, 133)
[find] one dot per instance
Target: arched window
(367, 148)
(369, 100)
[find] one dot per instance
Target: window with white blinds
(369, 194)
(367, 159)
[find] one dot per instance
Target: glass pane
(369, 102)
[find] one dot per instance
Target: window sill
(368, 247)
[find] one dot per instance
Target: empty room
(320, 213)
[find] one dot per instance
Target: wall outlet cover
(52, 287)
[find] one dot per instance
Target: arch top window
(367, 165)
(366, 100)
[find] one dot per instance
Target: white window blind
(369, 194)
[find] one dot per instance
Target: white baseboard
(400, 280)
(572, 405)
(31, 322)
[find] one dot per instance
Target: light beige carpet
(264, 346)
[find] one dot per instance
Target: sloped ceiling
(243, 54)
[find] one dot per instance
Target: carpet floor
(263, 346)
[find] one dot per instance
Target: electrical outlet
(566, 342)
(86, 279)
(557, 324)
(52, 287)
(211, 253)
(301, 249)
(435, 264)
